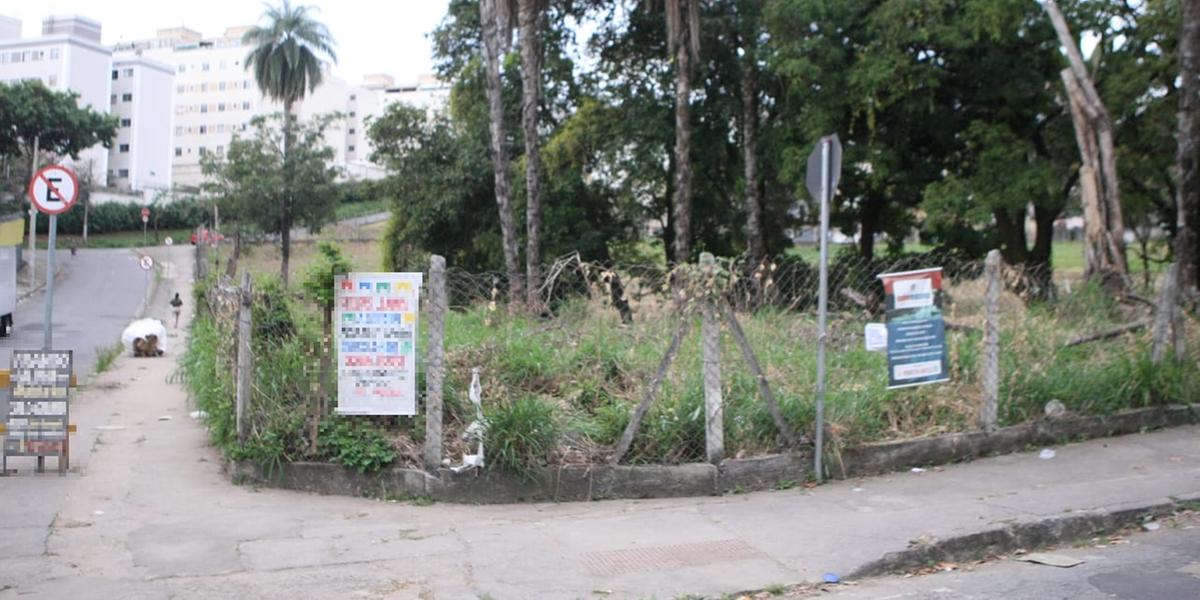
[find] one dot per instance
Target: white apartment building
(216, 97)
(140, 158)
(67, 56)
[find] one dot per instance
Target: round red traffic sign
(53, 189)
(145, 212)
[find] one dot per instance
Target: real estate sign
(916, 334)
(36, 415)
(376, 333)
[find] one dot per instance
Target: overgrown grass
(561, 389)
(357, 209)
(105, 357)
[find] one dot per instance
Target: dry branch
(1108, 333)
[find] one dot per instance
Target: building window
(179, 130)
(203, 108)
(113, 99)
(351, 114)
(349, 148)
(128, 72)
(202, 150)
(204, 66)
(223, 63)
(221, 86)
(52, 80)
(114, 73)
(53, 53)
(178, 151)
(220, 107)
(182, 68)
(126, 97)
(124, 147)
(179, 89)
(353, 97)
(220, 128)
(123, 173)
(351, 131)
(126, 122)
(203, 129)
(245, 106)
(220, 150)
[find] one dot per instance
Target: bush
(521, 435)
(357, 445)
(112, 217)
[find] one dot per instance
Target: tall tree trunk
(682, 31)
(1094, 134)
(491, 12)
(531, 86)
(755, 240)
(1187, 238)
(285, 236)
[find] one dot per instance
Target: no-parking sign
(53, 189)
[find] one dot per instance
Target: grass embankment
(121, 239)
(561, 390)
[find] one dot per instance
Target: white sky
(372, 36)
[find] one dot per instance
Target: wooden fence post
(435, 362)
(245, 356)
(991, 343)
(1162, 315)
(714, 411)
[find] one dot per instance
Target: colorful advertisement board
(36, 414)
(376, 316)
(916, 334)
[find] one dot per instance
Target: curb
(58, 274)
(583, 483)
(1027, 536)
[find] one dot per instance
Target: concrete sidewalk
(151, 515)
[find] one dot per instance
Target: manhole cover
(662, 558)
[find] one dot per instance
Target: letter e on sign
(53, 189)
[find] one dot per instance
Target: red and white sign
(145, 214)
(146, 263)
(53, 189)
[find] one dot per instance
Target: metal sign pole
(822, 306)
(47, 326)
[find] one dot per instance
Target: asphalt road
(95, 296)
(1157, 565)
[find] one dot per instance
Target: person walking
(176, 307)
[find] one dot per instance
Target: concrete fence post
(435, 362)
(245, 356)
(991, 342)
(1164, 313)
(714, 412)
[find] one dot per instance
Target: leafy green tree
(253, 187)
(35, 119)
(287, 60)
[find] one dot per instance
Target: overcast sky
(372, 37)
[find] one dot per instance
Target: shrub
(520, 435)
(357, 445)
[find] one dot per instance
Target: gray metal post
(991, 344)
(710, 335)
(435, 363)
(822, 308)
(47, 325)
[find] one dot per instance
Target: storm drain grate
(660, 558)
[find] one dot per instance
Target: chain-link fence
(607, 344)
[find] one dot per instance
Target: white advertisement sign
(913, 293)
(376, 318)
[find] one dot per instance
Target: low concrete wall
(599, 482)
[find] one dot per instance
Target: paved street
(1159, 565)
(95, 297)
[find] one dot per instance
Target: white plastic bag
(142, 328)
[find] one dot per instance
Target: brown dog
(146, 347)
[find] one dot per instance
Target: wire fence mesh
(573, 369)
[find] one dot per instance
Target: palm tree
(496, 29)
(531, 86)
(287, 56)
